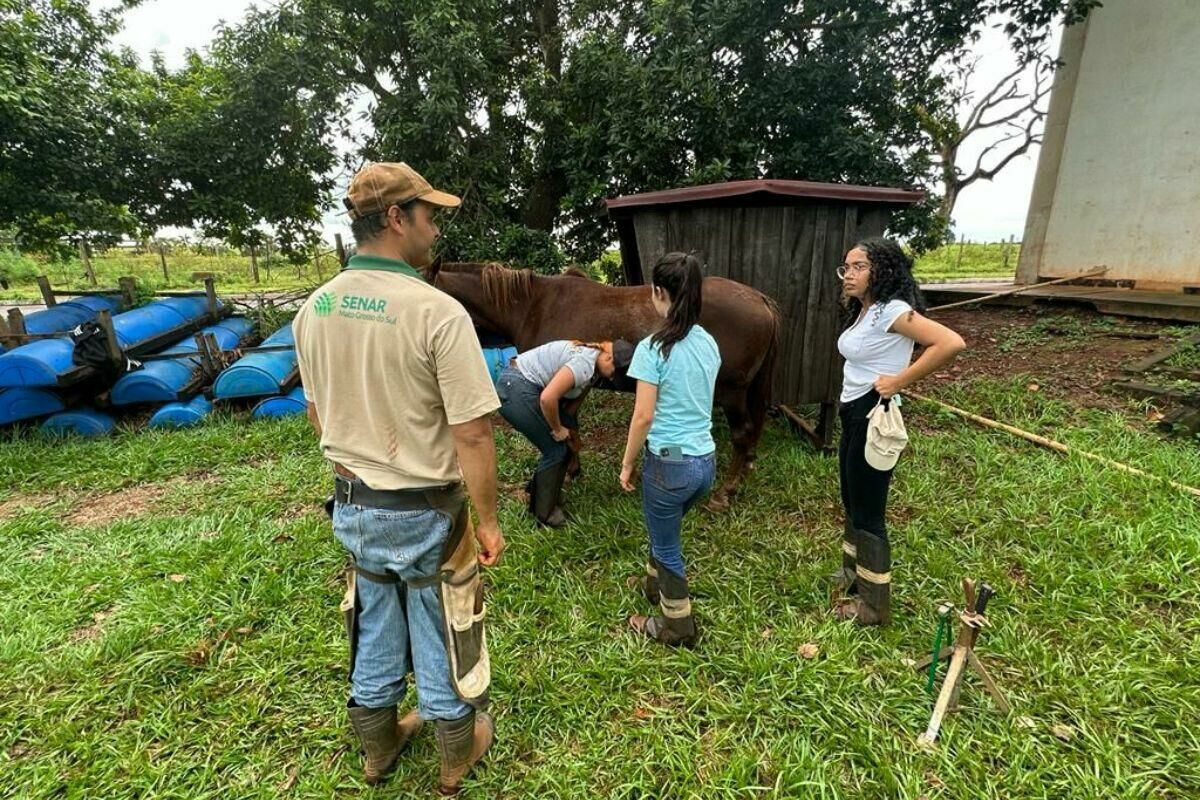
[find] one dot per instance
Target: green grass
(231, 271)
(1061, 327)
(191, 647)
(970, 260)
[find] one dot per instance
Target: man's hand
(491, 544)
(561, 434)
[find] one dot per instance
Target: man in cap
(401, 398)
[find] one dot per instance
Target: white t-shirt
(541, 364)
(871, 348)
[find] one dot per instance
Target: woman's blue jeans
(669, 490)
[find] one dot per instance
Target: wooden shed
(785, 238)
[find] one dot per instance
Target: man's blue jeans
(396, 622)
(669, 490)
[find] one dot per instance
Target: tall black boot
(676, 627)
(544, 498)
(844, 579)
(874, 573)
(649, 581)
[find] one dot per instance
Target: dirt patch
(129, 502)
(1070, 354)
(93, 631)
(106, 509)
(12, 506)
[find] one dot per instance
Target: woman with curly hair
(882, 323)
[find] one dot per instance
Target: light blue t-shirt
(685, 381)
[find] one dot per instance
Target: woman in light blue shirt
(676, 370)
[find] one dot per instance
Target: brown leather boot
(382, 737)
(462, 743)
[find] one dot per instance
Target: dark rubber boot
(844, 579)
(649, 582)
(462, 743)
(544, 499)
(874, 571)
(382, 737)
(676, 627)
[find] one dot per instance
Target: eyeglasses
(858, 266)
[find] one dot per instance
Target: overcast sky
(986, 211)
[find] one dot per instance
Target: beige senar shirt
(391, 363)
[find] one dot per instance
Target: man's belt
(347, 491)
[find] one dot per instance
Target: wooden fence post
(128, 291)
(253, 264)
(47, 293)
(958, 263)
(162, 256)
(341, 250)
(86, 257)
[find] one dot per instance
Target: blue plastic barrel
(24, 403)
(38, 363)
(497, 359)
(259, 374)
(67, 314)
(182, 415)
(41, 363)
(283, 406)
(86, 422)
(160, 381)
(154, 319)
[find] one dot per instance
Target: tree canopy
(533, 110)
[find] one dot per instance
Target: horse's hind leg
(743, 436)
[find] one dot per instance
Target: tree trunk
(549, 187)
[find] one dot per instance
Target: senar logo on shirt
(372, 309)
(323, 305)
(353, 302)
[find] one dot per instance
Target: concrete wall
(1118, 178)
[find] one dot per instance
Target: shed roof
(773, 188)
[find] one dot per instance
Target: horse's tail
(759, 390)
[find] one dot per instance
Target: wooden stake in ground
(961, 656)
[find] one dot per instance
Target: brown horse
(531, 310)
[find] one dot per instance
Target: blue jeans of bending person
(521, 405)
(669, 490)
(399, 628)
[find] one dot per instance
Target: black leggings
(864, 488)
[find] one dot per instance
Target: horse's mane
(504, 287)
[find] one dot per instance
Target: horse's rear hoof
(718, 504)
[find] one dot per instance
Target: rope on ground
(1053, 445)
(1092, 274)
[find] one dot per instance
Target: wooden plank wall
(788, 252)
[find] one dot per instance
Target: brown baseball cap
(379, 185)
